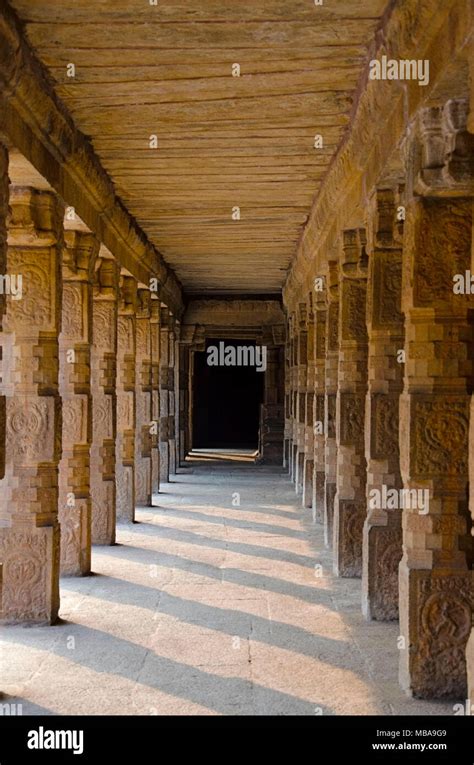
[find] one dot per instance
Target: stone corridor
(286, 188)
(208, 608)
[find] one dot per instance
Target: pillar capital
(143, 303)
(166, 318)
(385, 218)
(302, 315)
(155, 313)
(106, 278)
(354, 258)
(81, 249)
(127, 295)
(443, 150)
(333, 280)
(279, 334)
(36, 217)
(187, 334)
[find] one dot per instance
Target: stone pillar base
(299, 470)
(76, 539)
(155, 471)
(381, 554)
(318, 505)
(126, 495)
(330, 495)
(30, 592)
(348, 523)
(104, 516)
(293, 468)
(435, 621)
(164, 461)
(308, 468)
(172, 456)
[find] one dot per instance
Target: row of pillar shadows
(381, 359)
(91, 400)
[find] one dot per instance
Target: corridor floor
(220, 600)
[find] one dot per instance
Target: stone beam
(243, 314)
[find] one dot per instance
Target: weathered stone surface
(143, 400)
(155, 317)
(350, 499)
(300, 382)
(172, 395)
(4, 194)
(78, 264)
(126, 412)
(319, 478)
(272, 410)
(103, 385)
(435, 579)
(29, 538)
(470, 644)
(184, 423)
(331, 371)
(165, 394)
(382, 537)
(308, 464)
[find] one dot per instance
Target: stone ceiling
(223, 141)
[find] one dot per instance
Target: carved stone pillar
(330, 393)
(319, 479)
(300, 396)
(271, 411)
(164, 395)
(4, 360)
(350, 500)
(104, 398)
(189, 429)
(293, 395)
(436, 586)
(183, 401)
(155, 312)
(126, 378)
(172, 394)
(382, 540)
(288, 397)
(470, 643)
(143, 400)
(78, 262)
(435, 581)
(29, 536)
(3, 270)
(308, 464)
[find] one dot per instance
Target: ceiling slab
(223, 142)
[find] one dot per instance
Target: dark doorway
(226, 401)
